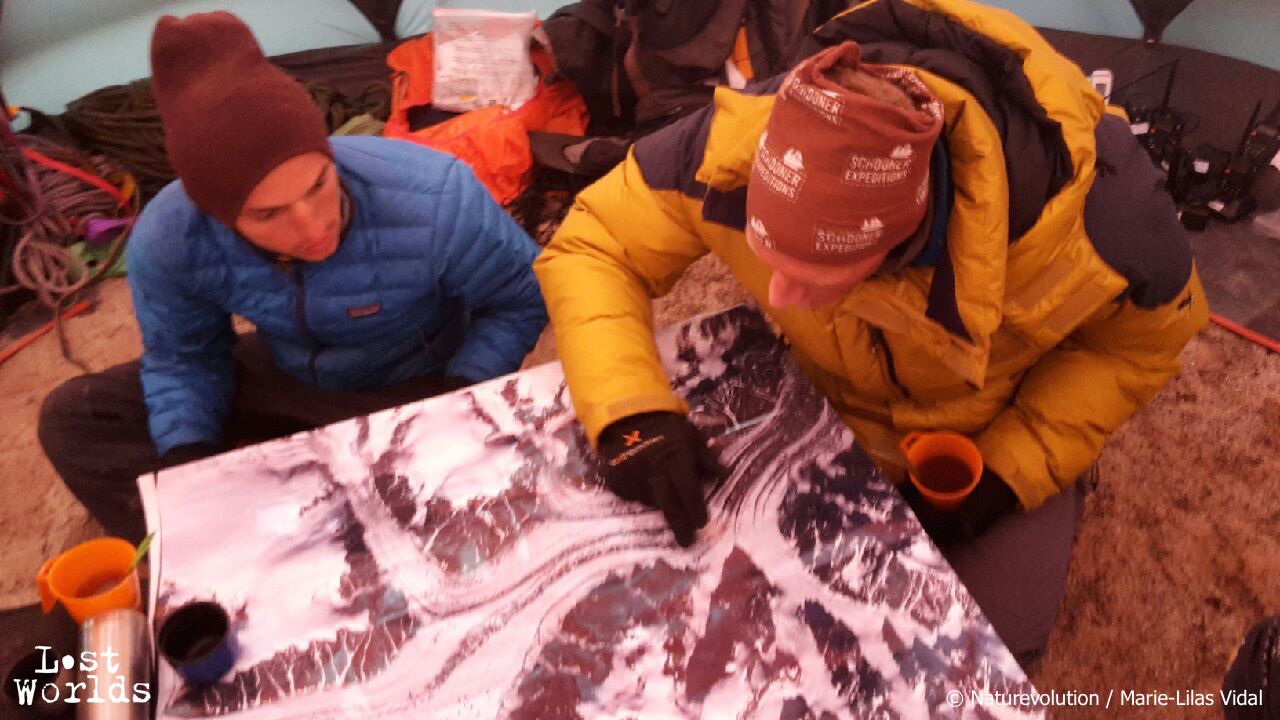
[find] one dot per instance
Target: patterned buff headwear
(840, 176)
(229, 115)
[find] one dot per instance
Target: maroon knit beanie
(229, 115)
(840, 176)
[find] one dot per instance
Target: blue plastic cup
(196, 640)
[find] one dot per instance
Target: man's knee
(1017, 572)
(60, 415)
(93, 412)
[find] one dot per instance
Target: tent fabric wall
(1242, 29)
(53, 51)
(78, 59)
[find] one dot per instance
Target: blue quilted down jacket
(430, 276)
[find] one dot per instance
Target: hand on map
(991, 500)
(661, 460)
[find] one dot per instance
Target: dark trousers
(94, 427)
(1017, 571)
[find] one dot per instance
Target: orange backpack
(493, 141)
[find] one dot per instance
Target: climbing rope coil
(51, 193)
(121, 122)
(116, 164)
(85, 175)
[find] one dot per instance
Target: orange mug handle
(47, 599)
(909, 440)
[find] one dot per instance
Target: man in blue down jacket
(376, 272)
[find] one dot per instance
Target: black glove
(1256, 670)
(660, 459)
(990, 500)
(183, 454)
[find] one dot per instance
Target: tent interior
(1178, 551)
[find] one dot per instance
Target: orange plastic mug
(949, 462)
(91, 577)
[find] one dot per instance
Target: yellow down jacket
(1064, 292)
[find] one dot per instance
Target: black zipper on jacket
(302, 320)
(877, 336)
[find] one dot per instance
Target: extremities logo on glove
(661, 460)
(634, 446)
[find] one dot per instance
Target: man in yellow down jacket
(1020, 279)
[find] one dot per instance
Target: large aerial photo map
(460, 557)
